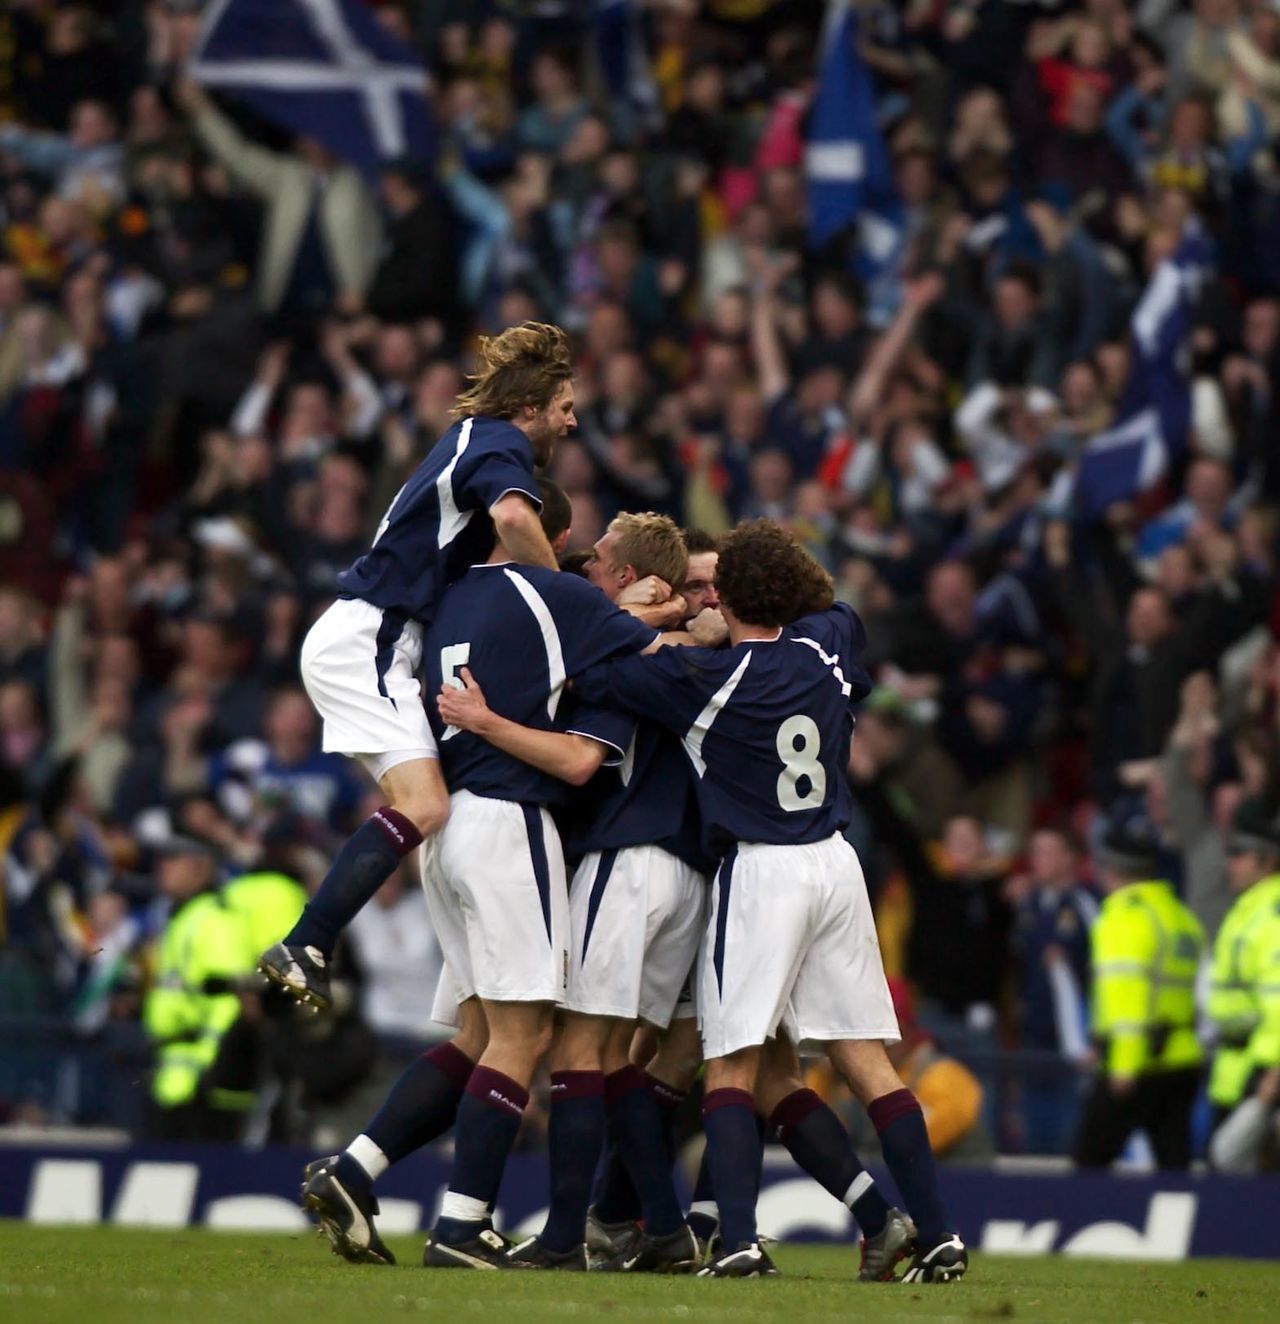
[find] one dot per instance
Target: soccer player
(699, 587)
(495, 884)
(360, 659)
(495, 875)
(791, 945)
(636, 918)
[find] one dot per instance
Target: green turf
(104, 1275)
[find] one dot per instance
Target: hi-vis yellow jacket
(1146, 951)
(205, 945)
(1244, 996)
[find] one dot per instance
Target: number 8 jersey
(766, 724)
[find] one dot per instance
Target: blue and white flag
(323, 69)
(1134, 454)
(849, 173)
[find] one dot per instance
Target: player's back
(772, 744)
(437, 525)
(766, 725)
(521, 631)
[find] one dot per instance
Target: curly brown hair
(524, 366)
(766, 578)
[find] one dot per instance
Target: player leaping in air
(791, 945)
(360, 660)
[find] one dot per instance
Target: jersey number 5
(453, 657)
(799, 743)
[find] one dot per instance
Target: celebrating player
(495, 875)
(360, 659)
(636, 919)
(791, 946)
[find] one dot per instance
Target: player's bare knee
(772, 1086)
(734, 1071)
(523, 1029)
(578, 1043)
(473, 1036)
(865, 1067)
(428, 813)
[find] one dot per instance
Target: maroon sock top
(793, 1110)
(623, 1081)
(497, 1090)
(886, 1110)
(397, 829)
(668, 1095)
(728, 1098)
(452, 1063)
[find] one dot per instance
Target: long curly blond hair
(525, 365)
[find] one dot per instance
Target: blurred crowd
(222, 349)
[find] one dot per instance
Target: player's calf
(489, 1117)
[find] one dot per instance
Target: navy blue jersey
(522, 631)
(648, 799)
(437, 525)
(765, 725)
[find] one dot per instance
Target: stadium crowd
(221, 351)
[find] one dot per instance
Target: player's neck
(742, 633)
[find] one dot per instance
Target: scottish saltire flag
(849, 174)
(624, 60)
(323, 69)
(1133, 455)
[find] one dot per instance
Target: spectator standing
(1055, 913)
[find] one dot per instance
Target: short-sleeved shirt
(437, 524)
(647, 799)
(765, 725)
(523, 631)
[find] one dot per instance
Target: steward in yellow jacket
(204, 955)
(1244, 994)
(1146, 952)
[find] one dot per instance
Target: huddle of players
(696, 760)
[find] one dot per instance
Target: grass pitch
(104, 1275)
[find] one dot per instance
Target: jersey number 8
(799, 742)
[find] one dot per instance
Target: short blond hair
(651, 544)
(524, 366)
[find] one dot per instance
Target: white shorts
(360, 669)
(636, 916)
(791, 942)
(495, 885)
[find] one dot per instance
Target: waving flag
(849, 173)
(324, 69)
(1133, 455)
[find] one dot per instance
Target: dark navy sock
(636, 1119)
(488, 1121)
(615, 1198)
(575, 1134)
(909, 1158)
(669, 1100)
(733, 1159)
(703, 1214)
(422, 1104)
(370, 856)
(816, 1139)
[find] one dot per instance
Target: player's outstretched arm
(520, 531)
(572, 758)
